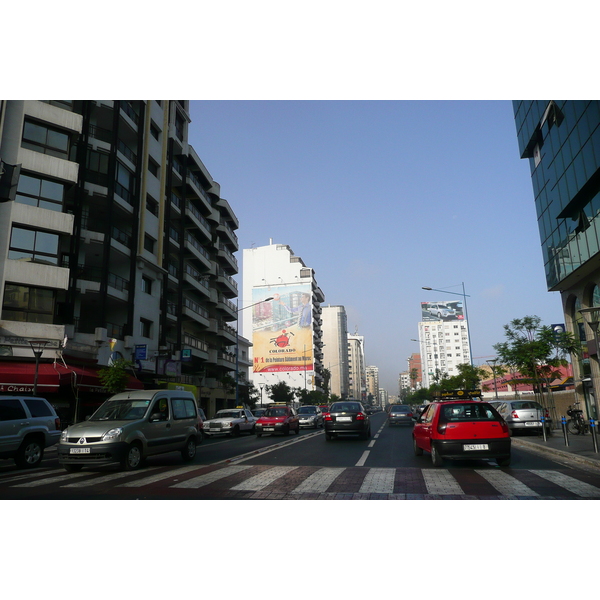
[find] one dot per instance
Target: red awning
(18, 377)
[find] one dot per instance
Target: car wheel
(236, 431)
(188, 452)
(30, 453)
(418, 451)
(133, 457)
(316, 424)
(259, 435)
(503, 462)
(328, 437)
(200, 437)
(286, 431)
(436, 459)
(73, 468)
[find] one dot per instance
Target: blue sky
(382, 198)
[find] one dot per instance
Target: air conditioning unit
(128, 343)
(100, 335)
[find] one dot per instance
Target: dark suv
(28, 425)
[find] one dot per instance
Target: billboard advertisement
(282, 328)
(446, 310)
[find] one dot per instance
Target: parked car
(347, 417)
(524, 415)
(278, 418)
(462, 429)
(310, 416)
(28, 425)
(230, 421)
(131, 426)
(202, 417)
(400, 414)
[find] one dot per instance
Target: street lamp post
(465, 296)
(592, 317)
(261, 385)
(493, 362)
(237, 350)
(37, 346)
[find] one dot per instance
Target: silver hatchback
(524, 415)
(131, 426)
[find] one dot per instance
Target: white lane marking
(105, 479)
(580, 488)
(262, 480)
(320, 480)
(40, 482)
(202, 480)
(363, 459)
(439, 481)
(371, 444)
(506, 484)
(378, 481)
(30, 474)
(159, 477)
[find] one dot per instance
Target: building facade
(282, 318)
(357, 367)
(561, 140)
(372, 379)
(335, 349)
(114, 243)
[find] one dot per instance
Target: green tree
(114, 378)
(468, 378)
(537, 352)
(281, 392)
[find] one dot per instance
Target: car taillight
(410, 414)
(360, 416)
(57, 423)
(546, 414)
(442, 428)
(504, 426)
(514, 414)
(328, 417)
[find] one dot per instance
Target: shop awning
(18, 377)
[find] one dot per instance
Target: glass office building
(561, 139)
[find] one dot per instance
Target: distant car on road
(231, 421)
(310, 416)
(278, 418)
(400, 414)
(347, 417)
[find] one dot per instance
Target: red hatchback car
(462, 429)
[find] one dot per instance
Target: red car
(462, 429)
(278, 418)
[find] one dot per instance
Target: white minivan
(131, 426)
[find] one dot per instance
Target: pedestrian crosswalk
(301, 482)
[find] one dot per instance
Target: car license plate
(268, 428)
(79, 451)
(533, 424)
(214, 429)
(475, 447)
(344, 418)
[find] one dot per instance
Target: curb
(568, 456)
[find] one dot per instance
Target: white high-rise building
(356, 364)
(372, 377)
(335, 349)
(281, 316)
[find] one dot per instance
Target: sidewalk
(579, 450)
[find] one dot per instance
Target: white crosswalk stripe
(202, 480)
(506, 484)
(379, 481)
(105, 479)
(159, 477)
(50, 480)
(319, 481)
(441, 482)
(258, 482)
(585, 490)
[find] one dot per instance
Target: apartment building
(357, 367)
(335, 349)
(372, 381)
(114, 243)
(282, 317)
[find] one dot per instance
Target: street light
(592, 317)
(237, 351)
(492, 362)
(465, 296)
(37, 346)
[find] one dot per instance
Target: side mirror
(155, 417)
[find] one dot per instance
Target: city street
(307, 467)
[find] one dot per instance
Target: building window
(31, 245)
(154, 131)
(152, 205)
(46, 140)
(153, 167)
(145, 328)
(146, 285)
(39, 192)
(149, 243)
(124, 185)
(28, 304)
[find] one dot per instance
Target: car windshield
(228, 414)
(307, 410)
(345, 407)
(121, 410)
(468, 412)
(280, 411)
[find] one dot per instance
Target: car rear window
(452, 413)
(345, 407)
(525, 405)
(402, 409)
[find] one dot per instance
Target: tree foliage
(114, 378)
(281, 392)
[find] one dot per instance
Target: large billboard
(445, 310)
(282, 329)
